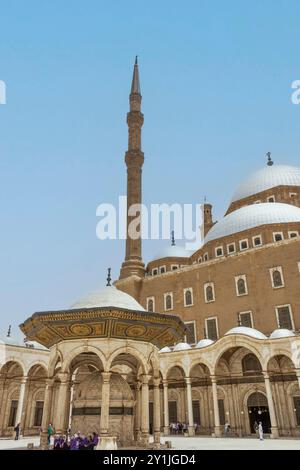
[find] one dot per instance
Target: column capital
(145, 379)
(156, 382)
(64, 377)
(297, 372)
(213, 378)
(188, 380)
(165, 382)
(49, 382)
(106, 376)
(266, 375)
(24, 379)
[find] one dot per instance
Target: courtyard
(189, 443)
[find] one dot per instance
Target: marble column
(104, 419)
(145, 408)
(166, 409)
(46, 420)
(137, 417)
(63, 404)
(298, 376)
(189, 400)
(3, 388)
(274, 426)
(217, 426)
(156, 410)
(21, 402)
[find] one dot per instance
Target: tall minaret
(134, 159)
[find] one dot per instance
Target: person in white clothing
(260, 431)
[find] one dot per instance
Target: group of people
(181, 428)
(76, 441)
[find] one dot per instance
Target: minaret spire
(134, 159)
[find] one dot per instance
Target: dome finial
(172, 238)
(8, 331)
(270, 161)
(108, 284)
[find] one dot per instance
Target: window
(231, 248)
(284, 317)
(257, 202)
(293, 195)
(191, 332)
(211, 326)
(38, 413)
(271, 199)
(150, 304)
(276, 277)
(221, 411)
(162, 269)
(205, 257)
(168, 301)
(174, 266)
(246, 319)
(297, 409)
(250, 365)
(13, 413)
(257, 241)
(241, 285)
(154, 272)
(188, 297)
(299, 266)
(209, 292)
(200, 259)
(219, 251)
(243, 244)
(277, 236)
(293, 234)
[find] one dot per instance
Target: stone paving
(191, 443)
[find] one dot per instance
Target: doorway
(258, 410)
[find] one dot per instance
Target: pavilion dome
(267, 178)
(251, 216)
(203, 343)
(10, 340)
(109, 296)
(245, 330)
(182, 347)
(281, 333)
(165, 349)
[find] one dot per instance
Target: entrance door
(258, 411)
(196, 412)
(172, 412)
(151, 418)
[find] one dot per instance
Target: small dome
(203, 343)
(251, 216)
(109, 296)
(165, 349)
(10, 340)
(281, 333)
(173, 251)
(182, 347)
(245, 330)
(266, 178)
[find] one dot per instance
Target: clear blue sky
(216, 83)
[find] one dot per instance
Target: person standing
(17, 431)
(260, 431)
(50, 432)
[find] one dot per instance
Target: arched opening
(202, 409)
(34, 399)
(176, 403)
(258, 411)
(12, 373)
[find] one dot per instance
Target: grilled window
(38, 413)
(277, 278)
(246, 319)
(297, 409)
(188, 297)
(284, 317)
(190, 333)
(211, 329)
(13, 413)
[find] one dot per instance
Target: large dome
(251, 216)
(109, 296)
(266, 178)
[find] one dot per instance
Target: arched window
(250, 364)
(241, 285)
(188, 300)
(209, 294)
(168, 302)
(277, 278)
(150, 305)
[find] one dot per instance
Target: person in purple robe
(95, 441)
(56, 443)
(74, 444)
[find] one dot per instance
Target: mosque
(202, 338)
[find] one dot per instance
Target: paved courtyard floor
(191, 443)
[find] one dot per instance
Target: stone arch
(178, 364)
(66, 362)
(57, 357)
(229, 343)
(130, 351)
(37, 364)
(200, 362)
(279, 352)
(18, 362)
